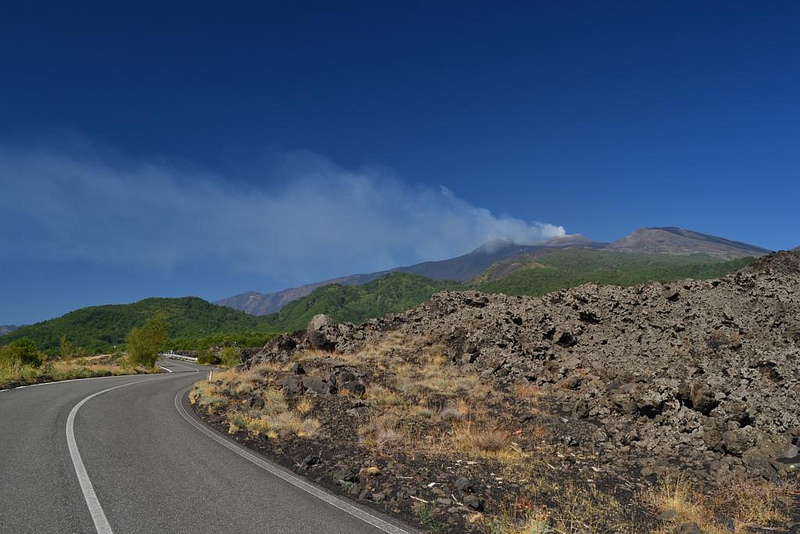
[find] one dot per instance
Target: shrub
(23, 351)
(230, 357)
(206, 357)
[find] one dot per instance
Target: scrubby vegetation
(421, 425)
(13, 373)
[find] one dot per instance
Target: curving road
(125, 454)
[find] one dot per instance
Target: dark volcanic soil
(599, 393)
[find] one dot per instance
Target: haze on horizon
(209, 151)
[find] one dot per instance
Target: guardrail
(171, 355)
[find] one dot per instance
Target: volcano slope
(663, 408)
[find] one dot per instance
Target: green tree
(144, 343)
(66, 349)
(24, 351)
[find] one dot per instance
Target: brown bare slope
(673, 240)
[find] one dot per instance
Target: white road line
(56, 382)
(165, 369)
(288, 477)
(98, 516)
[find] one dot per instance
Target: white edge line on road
(95, 509)
(63, 382)
(55, 382)
(296, 481)
(165, 369)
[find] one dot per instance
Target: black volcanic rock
(708, 381)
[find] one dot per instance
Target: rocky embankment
(596, 388)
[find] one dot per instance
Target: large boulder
(322, 333)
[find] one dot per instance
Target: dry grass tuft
(457, 410)
(275, 419)
(470, 438)
(676, 498)
(304, 406)
(525, 391)
(532, 523)
(382, 432)
(756, 504)
(434, 375)
(747, 504)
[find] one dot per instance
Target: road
(126, 454)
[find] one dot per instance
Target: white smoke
(322, 221)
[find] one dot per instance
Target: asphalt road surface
(126, 454)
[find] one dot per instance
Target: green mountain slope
(551, 270)
(100, 328)
(395, 292)
(535, 274)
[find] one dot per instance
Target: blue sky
(204, 150)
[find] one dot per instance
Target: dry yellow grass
(15, 373)
(304, 407)
(432, 374)
(481, 440)
(747, 503)
(273, 419)
(676, 498)
(525, 391)
(534, 522)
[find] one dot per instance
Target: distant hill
(394, 292)
(679, 241)
(256, 303)
(100, 328)
(7, 329)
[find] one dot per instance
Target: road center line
(95, 509)
(292, 479)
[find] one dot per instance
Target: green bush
(206, 357)
(231, 357)
(23, 351)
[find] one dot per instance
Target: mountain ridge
(657, 240)
(674, 240)
(8, 328)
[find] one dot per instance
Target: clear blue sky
(207, 150)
